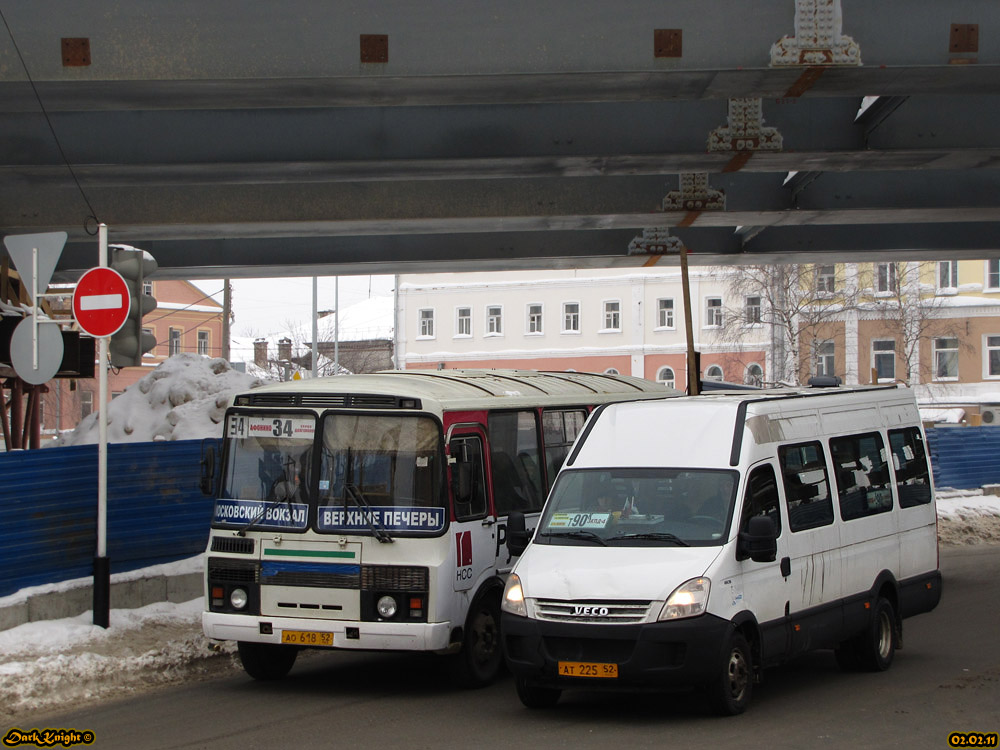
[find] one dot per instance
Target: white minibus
(694, 541)
(368, 512)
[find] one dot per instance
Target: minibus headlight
(386, 607)
(238, 598)
(513, 597)
(690, 599)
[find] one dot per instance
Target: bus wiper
(660, 536)
(366, 510)
(587, 535)
(242, 531)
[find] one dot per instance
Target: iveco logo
(579, 611)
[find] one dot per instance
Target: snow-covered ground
(53, 665)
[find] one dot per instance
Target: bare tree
(795, 303)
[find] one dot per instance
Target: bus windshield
(380, 473)
(265, 480)
(639, 507)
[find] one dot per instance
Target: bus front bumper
(368, 636)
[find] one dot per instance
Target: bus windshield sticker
(241, 512)
(241, 426)
(389, 517)
(579, 520)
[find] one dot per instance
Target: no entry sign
(101, 302)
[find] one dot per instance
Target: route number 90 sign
(241, 427)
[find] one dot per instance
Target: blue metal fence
(965, 457)
(48, 510)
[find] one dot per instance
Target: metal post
(692, 364)
(336, 325)
(227, 308)
(315, 329)
(102, 566)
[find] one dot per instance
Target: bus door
(474, 530)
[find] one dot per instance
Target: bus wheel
(730, 693)
(481, 658)
(266, 661)
(533, 696)
(877, 645)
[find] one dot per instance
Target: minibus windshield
(380, 475)
(639, 507)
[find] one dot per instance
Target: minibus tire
(731, 691)
(533, 696)
(267, 661)
(480, 661)
(877, 645)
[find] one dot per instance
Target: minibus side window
(559, 429)
(807, 485)
(468, 477)
(913, 484)
(514, 453)
(862, 475)
(761, 498)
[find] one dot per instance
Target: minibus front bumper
(680, 653)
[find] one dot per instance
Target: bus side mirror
(517, 533)
(760, 541)
(208, 462)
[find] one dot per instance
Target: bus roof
(460, 389)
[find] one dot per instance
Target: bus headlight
(513, 597)
(386, 607)
(238, 598)
(690, 599)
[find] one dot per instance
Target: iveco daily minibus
(694, 541)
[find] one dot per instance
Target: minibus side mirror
(517, 533)
(461, 482)
(760, 541)
(208, 463)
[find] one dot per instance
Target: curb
(129, 594)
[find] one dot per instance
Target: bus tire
(480, 661)
(533, 696)
(877, 645)
(730, 693)
(266, 661)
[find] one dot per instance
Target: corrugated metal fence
(965, 457)
(48, 510)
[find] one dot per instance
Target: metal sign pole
(102, 566)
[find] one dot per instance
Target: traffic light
(130, 343)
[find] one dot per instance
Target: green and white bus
(369, 512)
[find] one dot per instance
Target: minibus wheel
(481, 658)
(877, 645)
(533, 696)
(266, 661)
(730, 693)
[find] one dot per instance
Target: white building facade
(589, 320)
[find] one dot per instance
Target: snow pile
(968, 517)
(185, 398)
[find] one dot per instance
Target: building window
(751, 311)
(666, 376)
(534, 318)
(884, 360)
(993, 356)
(611, 371)
(665, 313)
(946, 359)
(886, 278)
(754, 375)
(571, 317)
(426, 324)
(948, 274)
(993, 274)
(824, 358)
(826, 279)
(612, 315)
(147, 288)
(203, 342)
(86, 403)
(174, 343)
(463, 321)
(494, 320)
(713, 312)
(714, 372)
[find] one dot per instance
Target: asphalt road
(946, 679)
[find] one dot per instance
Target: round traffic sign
(101, 302)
